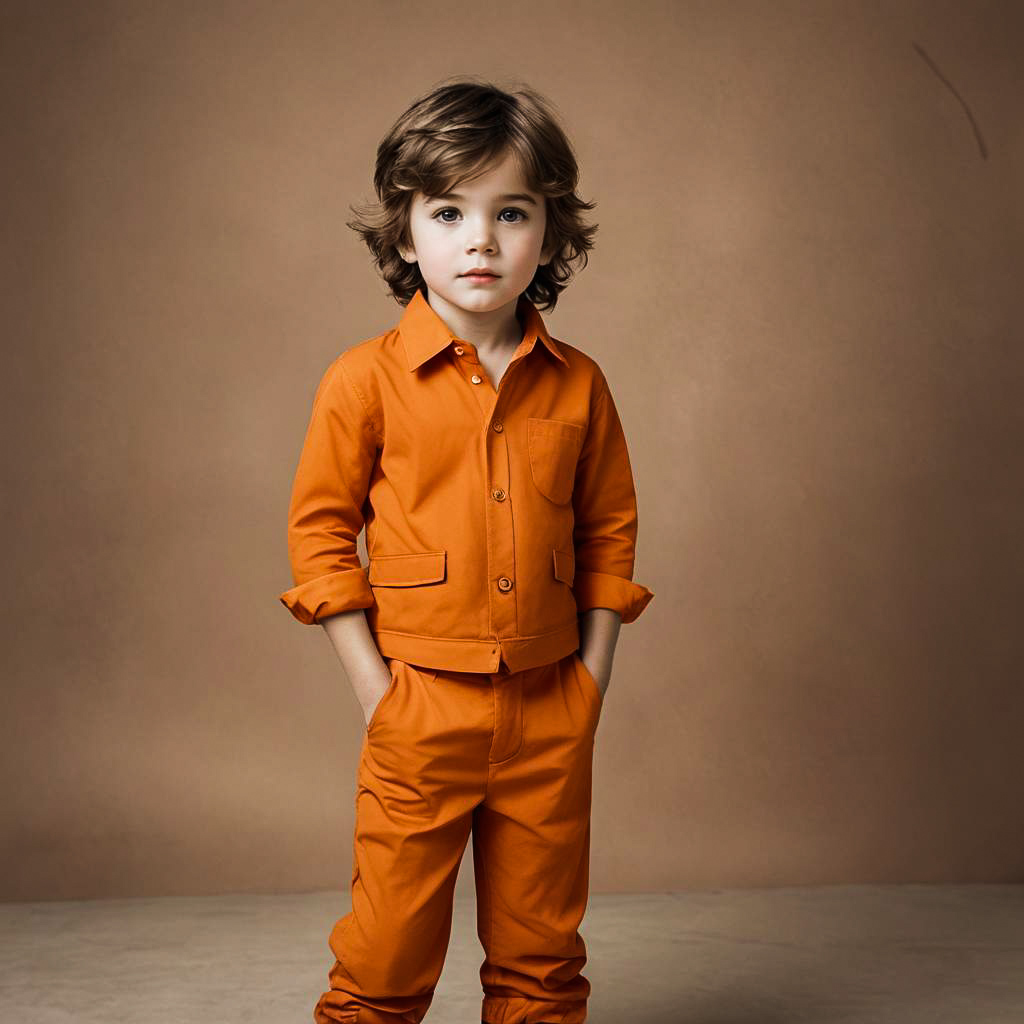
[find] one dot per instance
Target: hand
(368, 714)
(601, 671)
(599, 632)
(369, 709)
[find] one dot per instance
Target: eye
(442, 215)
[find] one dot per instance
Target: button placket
(465, 351)
(485, 397)
(500, 533)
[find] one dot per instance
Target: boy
(487, 462)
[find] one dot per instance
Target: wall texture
(806, 293)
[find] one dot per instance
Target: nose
(481, 236)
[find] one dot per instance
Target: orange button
(459, 350)
(498, 494)
(504, 584)
(475, 379)
(498, 427)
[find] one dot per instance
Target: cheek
(437, 247)
(528, 245)
(429, 237)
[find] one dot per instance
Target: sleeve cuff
(327, 595)
(602, 590)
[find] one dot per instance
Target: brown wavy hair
(452, 133)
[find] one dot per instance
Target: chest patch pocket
(554, 450)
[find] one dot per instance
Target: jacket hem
(456, 654)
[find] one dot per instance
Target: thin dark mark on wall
(967, 109)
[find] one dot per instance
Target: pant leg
(531, 845)
(422, 771)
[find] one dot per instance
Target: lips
(478, 273)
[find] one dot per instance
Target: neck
(492, 330)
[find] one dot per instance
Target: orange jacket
(492, 517)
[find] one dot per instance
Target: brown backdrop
(806, 293)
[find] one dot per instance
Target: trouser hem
(326, 1014)
(503, 1010)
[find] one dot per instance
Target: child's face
(483, 227)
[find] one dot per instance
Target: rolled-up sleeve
(325, 513)
(605, 514)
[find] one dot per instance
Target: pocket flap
(407, 570)
(561, 429)
(565, 565)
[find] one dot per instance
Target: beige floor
(879, 954)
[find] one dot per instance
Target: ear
(407, 252)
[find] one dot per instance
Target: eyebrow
(508, 197)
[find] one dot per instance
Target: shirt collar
(424, 333)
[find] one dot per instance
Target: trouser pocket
(589, 682)
(393, 665)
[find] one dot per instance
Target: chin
(482, 299)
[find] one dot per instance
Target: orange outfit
(507, 756)
(493, 518)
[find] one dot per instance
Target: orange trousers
(503, 756)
